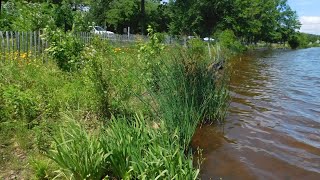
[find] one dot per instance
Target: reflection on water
(273, 125)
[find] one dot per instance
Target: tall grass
(127, 149)
(140, 151)
(188, 93)
(78, 152)
(176, 89)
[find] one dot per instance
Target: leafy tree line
(250, 20)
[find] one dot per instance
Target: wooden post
(128, 33)
(18, 43)
(35, 43)
(27, 42)
(30, 43)
(22, 44)
(39, 45)
(8, 46)
(12, 43)
(1, 46)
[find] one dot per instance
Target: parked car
(100, 31)
(208, 39)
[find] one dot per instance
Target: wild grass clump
(127, 149)
(78, 152)
(189, 93)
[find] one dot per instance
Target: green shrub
(33, 16)
(228, 40)
(66, 49)
(294, 42)
(19, 104)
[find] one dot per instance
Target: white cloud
(310, 24)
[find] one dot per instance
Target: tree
(198, 17)
(98, 9)
(288, 21)
(143, 23)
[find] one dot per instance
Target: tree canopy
(250, 20)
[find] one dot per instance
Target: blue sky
(309, 14)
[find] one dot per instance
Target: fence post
(30, 43)
(46, 51)
(18, 44)
(27, 43)
(8, 46)
(1, 46)
(39, 45)
(35, 43)
(23, 46)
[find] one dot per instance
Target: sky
(309, 14)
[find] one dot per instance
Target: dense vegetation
(252, 21)
(100, 110)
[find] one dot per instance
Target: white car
(208, 39)
(99, 30)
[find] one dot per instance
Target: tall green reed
(140, 151)
(189, 93)
(79, 153)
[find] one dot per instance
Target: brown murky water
(272, 129)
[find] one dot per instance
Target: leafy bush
(294, 42)
(19, 104)
(228, 40)
(33, 17)
(66, 49)
(298, 41)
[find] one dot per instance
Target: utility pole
(142, 16)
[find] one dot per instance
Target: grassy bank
(100, 111)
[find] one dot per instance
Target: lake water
(272, 130)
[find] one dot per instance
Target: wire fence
(27, 45)
(21, 45)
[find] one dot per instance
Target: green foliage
(81, 22)
(78, 152)
(197, 17)
(8, 14)
(148, 55)
(66, 49)
(26, 16)
(228, 40)
(154, 46)
(298, 41)
(101, 81)
(64, 16)
(171, 85)
(123, 13)
(139, 151)
(197, 48)
(33, 17)
(189, 93)
(19, 104)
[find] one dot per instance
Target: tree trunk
(142, 16)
